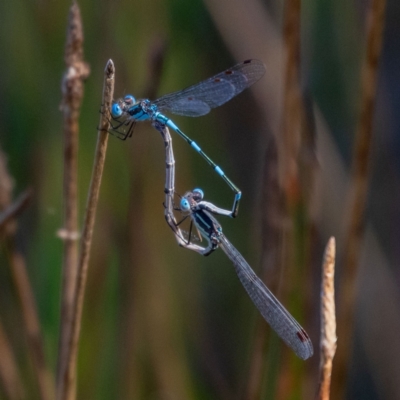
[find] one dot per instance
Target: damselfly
(194, 101)
(201, 214)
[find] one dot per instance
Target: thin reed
(358, 190)
(17, 265)
(66, 388)
(72, 90)
(328, 321)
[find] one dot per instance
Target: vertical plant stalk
(292, 106)
(272, 212)
(66, 384)
(15, 209)
(31, 320)
(294, 235)
(72, 91)
(328, 321)
(22, 284)
(359, 188)
(9, 375)
(155, 64)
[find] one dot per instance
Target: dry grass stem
(6, 183)
(272, 211)
(328, 321)
(156, 58)
(9, 375)
(30, 318)
(66, 386)
(359, 188)
(294, 234)
(22, 284)
(292, 107)
(15, 209)
(72, 91)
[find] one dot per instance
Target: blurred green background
(160, 322)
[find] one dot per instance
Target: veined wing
(269, 306)
(199, 99)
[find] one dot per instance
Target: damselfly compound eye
(185, 206)
(116, 110)
(129, 100)
(198, 194)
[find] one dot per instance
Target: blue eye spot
(199, 193)
(116, 110)
(185, 206)
(129, 100)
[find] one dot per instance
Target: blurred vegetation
(160, 322)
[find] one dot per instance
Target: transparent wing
(199, 99)
(269, 306)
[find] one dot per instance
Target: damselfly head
(129, 100)
(122, 105)
(198, 194)
(185, 204)
(190, 199)
(116, 110)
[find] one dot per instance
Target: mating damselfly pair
(195, 101)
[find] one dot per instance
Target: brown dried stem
(294, 232)
(22, 284)
(328, 321)
(156, 58)
(272, 227)
(9, 375)
(31, 320)
(66, 384)
(292, 107)
(72, 90)
(15, 209)
(359, 187)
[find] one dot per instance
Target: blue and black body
(202, 215)
(194, 101)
